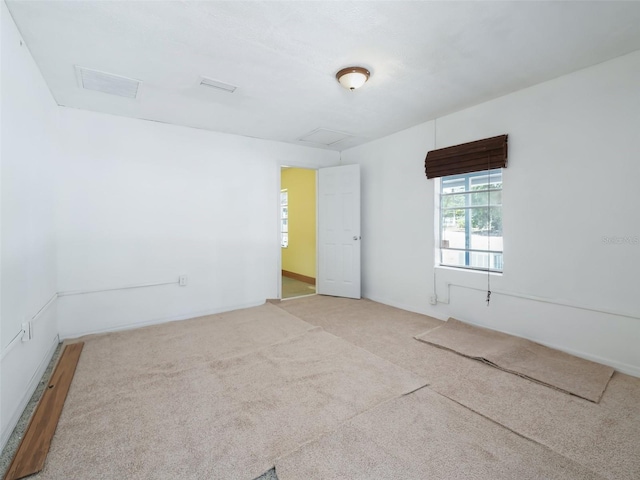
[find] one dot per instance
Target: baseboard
(33, 384)
(175, 318)
(297, 276)
(621, 367)
(618, 366)
(401, 306)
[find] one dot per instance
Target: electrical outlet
(27, 331)
(433, 300)
(182, 280)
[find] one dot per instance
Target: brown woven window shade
(469, 157)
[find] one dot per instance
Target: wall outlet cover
(27, 331)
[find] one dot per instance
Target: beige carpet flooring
(185, 343)
(519, 356)
(426, 436)
(175, 401)
(603, 437)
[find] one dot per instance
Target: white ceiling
(426, 58)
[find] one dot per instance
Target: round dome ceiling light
(353, 77)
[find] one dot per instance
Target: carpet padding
(522, 357)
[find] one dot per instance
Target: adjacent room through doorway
(298, 231)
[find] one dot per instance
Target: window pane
(480, 181)
(485, 230)
(284, 222)
(471, 220)
(486, 221)
(493, 261)
(453, 236)
(453, 185)
(451, 201)
(474, 199)
(482, 241)
(454, 258)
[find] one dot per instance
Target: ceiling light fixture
(353, 77)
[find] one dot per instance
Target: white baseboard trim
(401, 306)
(33, 384)
(619, 366)
(157, 321)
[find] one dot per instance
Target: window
(284, 218)
(471, 220)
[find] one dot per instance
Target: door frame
(279, 242)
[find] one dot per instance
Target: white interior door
(339, 231)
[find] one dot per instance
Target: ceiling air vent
(107, 83)
(322, 136)
(207, 82)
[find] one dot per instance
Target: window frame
(495, 257)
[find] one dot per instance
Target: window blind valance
(469, 157)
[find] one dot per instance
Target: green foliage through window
(471, 220)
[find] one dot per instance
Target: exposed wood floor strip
(34, 446)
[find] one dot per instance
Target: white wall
(133, 202)
(397, 215)
(28, 271)
(558, 206)
(142, 202)
(94, 202)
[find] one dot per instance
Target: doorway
(298, 231)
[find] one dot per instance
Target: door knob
(357, 237)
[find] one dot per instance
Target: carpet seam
(328, 432)
(431, 387)
(344, 423)
(369, 352)
(532, 440)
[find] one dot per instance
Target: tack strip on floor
(34, 447)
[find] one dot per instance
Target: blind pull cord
(488, 229)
